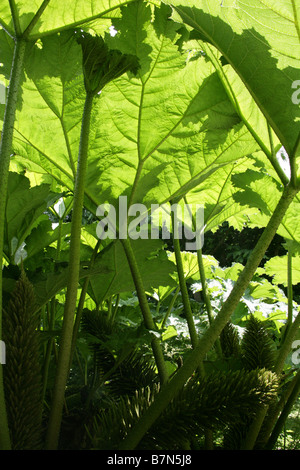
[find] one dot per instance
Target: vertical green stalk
(73, 279)
(5, 152)
(207, 340)
(51, 322)
(205, 293)
(182, 283)
(289, 291)
(171, 305)
(50, 344)
(287, 344)
(206, 297)
(81, 301)
(148, 320)
(187, 309)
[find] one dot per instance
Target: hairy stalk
(289, 292)
(50, 345)
(72, 286)
(206, 298)
(5, 152)
(208, 339)
(51, 322)
(205, 293)
(209, 444)
(273, 158)
(287, 344)
(36, 18)
(148, 320)
(170, 306)
(187, 309)
(183, 288)
(81, 301)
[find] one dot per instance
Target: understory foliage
(133, 131)
(219, 401)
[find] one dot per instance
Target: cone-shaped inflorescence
(258, 349)
(230, 341)
(22, 372)
(214, 402)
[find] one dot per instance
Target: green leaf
(47, 128)
(263, 192)
(191, 267)
(43, 236)
(244, 104)
(24, 209)
(165, 131)
(261, 41)
(57, 15)
(169, 332)
(155, 268)
(216, 194)
(111, 273)
(277, 268)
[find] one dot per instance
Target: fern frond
(257, 347)
(22, 372)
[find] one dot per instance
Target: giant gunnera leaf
(260, 39)
(17, 15)
(153, 136)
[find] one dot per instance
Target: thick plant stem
(81, 302)
(5, 152)
(290, 294)
(206, 298)
(187, 310)
(147, 316)
(287, 344)
(171, 305)
(205, 294)
(73, 278)
(182, 284)
(207, 340)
